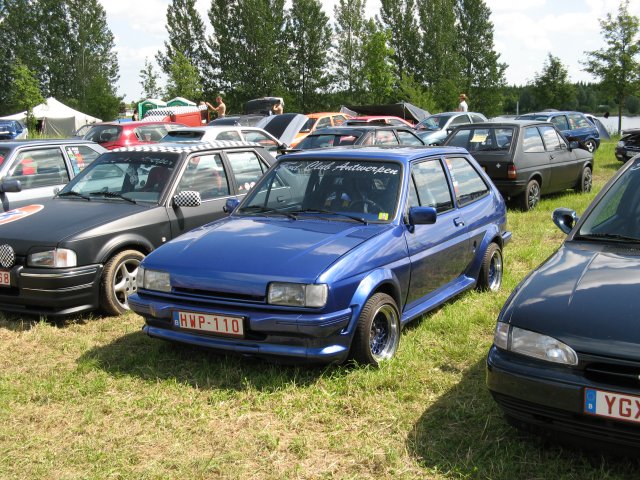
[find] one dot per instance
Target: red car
(114, 134)
(384, 119)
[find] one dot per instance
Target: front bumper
(303, 336)
(549, 400)
(52, 291)
(624, 154)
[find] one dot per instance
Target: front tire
(490, 277)
(119, 281)
(585, 181)
(377, 334)
(590, 145)
(531, 196)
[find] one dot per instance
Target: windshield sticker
(479, 137)
(383, 216)
(342, 167)
(19, 213)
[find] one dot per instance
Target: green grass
(93, 397)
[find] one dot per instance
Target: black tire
(377, 334)
(585, 181)
(490, 276)
(531, 196)
(119, 281)
(590, 145)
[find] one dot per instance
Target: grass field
(92, 397)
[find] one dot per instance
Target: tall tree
(149, 81)
(308, 36)
(25, 92)
(553, 88)
(54, 49)
(617, 65)
(220, 44)
(441, 60)
(186, 33)
(376, 61)
(482, 73)
(183, 80)
(400, 19)
(349, 28)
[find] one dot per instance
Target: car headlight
(620, 144)
(56, 258)
(153, 280)
(297, 294)
(532, 344)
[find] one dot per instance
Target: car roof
(550, 114)
(45, 141)
(375, 153)
(503, 123)
(348, 129)
(324, 114)
(186, 147)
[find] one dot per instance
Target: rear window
(330, 140)
(150, 133)
(182, 136)
(103, 133)
(482, 139)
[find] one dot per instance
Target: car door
(41, 171)
(246, 167)
(438, 252)
(564, 167)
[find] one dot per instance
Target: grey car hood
(284, 127)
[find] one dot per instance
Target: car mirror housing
(422, 216)
(565, 219)
(230, 205)
(10, 185)
(187, 198)
(573, 145)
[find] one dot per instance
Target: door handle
(458, 222)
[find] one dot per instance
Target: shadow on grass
(464, 434)
(136, 354)
(20, 322)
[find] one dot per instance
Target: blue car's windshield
(328, 188)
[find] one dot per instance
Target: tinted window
(462, 119)
(475, 118)
(431, 185)
(467, 183)
(103, 133)
(40, 168)
(150, 133)
(183, 136)
(247, 169)
(330, 140)
(80, 156)
(385, 137)
(560, 121)
(408, 138)
(532, 141)
(483, 139)
(550, 137)
(205, 174)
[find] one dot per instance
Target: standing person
(278, 108)
(221, 108)
(463, 107)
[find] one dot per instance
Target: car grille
(211, 296)
(611, 371)
(547, 420)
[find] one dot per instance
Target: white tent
(57, 118)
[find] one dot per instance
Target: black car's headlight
(620, 144)
(153, 280)
(55, 258)
(297, 294)
(532, 344)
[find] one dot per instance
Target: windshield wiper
(266, 210)
(114, 195)
(71, 193)
(607, 236)
(328, 212)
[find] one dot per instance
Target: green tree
(183, 80)
(349, 29)
(309, 40)
(25, 92)
(617, 65)
(482, 73)
(149, 81)
(553, 88)
(412, 91)
(400, 19)
(376, 61)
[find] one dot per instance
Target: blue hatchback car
(330, 255)
(573, 125)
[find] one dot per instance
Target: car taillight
(511, 172)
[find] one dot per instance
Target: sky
(525, 32)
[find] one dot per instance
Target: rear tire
(490, 276)
(585, 181)
(377, 334)
(531, 196)
(119, 281)
(590, 145)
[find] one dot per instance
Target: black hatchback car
(80, 250)
(629, 144)
(566, 354)
(360, 135)
(526, 159)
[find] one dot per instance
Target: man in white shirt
(463, 107)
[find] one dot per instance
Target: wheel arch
(122, 243)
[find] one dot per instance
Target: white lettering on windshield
(347, 166)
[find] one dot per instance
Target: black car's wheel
(377, 334)
(490, 277)
(590, 145)
(585, 181)
(119, 281)
(531, 196)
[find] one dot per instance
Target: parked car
(573, 125)
(82, 131)
(317, 121)
(379, 119)
(13, 130)
(80, 250)
(565, 360)
(629, 144)
(330, 255)
(526, 159)
(435, 128)
(113, 135)
(32, 170)
(221, 132)
(367, 134)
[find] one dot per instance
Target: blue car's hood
(587, 296)
(242, 255)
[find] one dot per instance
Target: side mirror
(421, 216)
(573, 145)
(565, 219)
(230, 205)
(10, 185)
(188, 198)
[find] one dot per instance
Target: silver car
(435, 128)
